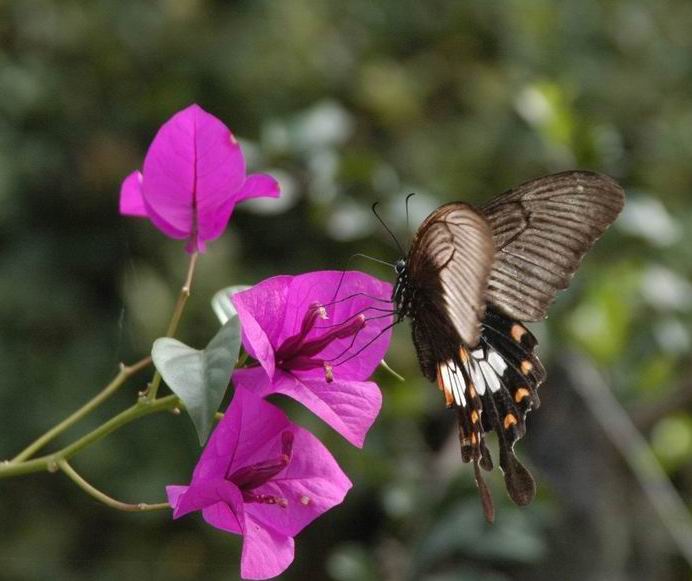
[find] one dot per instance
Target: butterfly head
(400, 267)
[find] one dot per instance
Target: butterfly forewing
(542, 229)
(450, 260)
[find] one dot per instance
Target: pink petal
(174, 492)
(193, 167)
(131, 202)
(220, 175)
(262, 310)
(218, 453)
(220, 501)
(169, 174)
(258, 186)
(312, 484)
(227, 515)
(349, 407)
(260, 426)
(266, 553)
(255, 340)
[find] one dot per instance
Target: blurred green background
(348, 103)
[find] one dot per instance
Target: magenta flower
(317, 346)
(262, 477)
(194, 175)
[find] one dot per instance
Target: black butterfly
(472, 276)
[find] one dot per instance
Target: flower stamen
(299, 353)
(265, 499)
(253, 476)
(328, 373)
(294, 343)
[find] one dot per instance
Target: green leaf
(221, 302)
(199, 378)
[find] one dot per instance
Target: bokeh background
(348, 103)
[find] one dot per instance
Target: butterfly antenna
(359, 255)
(408, 225)
(381, 221)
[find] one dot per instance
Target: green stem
(175, 319)
(50, 462)
(242, 359)
(104, 498)
(123, 375)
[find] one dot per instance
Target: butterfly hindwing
(493, 387)
(524, 371)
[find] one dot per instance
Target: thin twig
(175, 319)
(125, 373)
(50, 462)
(634, 448)
(104, 498)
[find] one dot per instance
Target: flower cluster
(315, 337)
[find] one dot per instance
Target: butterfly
(472, 278)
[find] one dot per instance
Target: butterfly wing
(541, 230)
(448, 266)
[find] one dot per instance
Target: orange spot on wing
(517, 332)
(464, 355)
(509, 421)
(449, 398)
(521, 393)
(474, 416)
(526, 367)
(445, 389)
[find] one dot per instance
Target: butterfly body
(472, 277)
